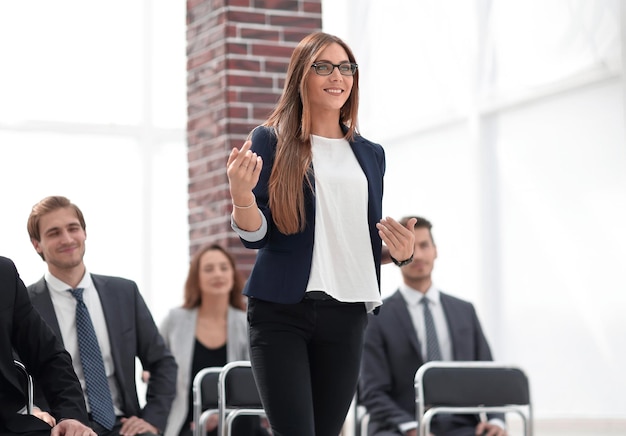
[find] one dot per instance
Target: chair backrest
(238, 395)
(238, 388)
(205, 395)
(28, 385)
(471, 388)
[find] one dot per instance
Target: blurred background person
(417, 324)
(214, 310)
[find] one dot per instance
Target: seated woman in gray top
(213, 309)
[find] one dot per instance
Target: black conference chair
(471, 388)
(229, 392)
(237, 395)
(28, 385)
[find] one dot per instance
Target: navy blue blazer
(283, 263)
(133, 334)
(392, 355)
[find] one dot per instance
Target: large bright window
(93, 107)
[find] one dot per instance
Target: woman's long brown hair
(291, 120)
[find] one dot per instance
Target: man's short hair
(421, 223)
(45, 206)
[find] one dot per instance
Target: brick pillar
(237, 56)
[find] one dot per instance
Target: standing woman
(307, 193)
(213, 309)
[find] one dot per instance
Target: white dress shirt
(65, 309)
(416, 310)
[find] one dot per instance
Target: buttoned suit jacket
(132, 333)
(283, 262)
(178, 330)
(24, 331)
(392, 355)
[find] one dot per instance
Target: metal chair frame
(357, 420)
(471, 388)
(204, 407)
(232, 397)
(29, 385)
(363, 420)
(237, 395)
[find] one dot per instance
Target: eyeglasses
(326, 68)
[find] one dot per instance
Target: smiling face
(329, 93)
(62, 240)
(216, 274)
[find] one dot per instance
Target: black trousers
(306, 359)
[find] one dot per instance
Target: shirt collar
(413, 296)
(57, 285)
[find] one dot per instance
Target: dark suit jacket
(23, 330)
(132, 333)
(283, 262)
(392, 356)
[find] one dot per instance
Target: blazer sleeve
(43, 354)
(156, 358)
(264, 145)
(237, 341)
(167, 328)
(472, 345)
(483, 352)
(376, 383)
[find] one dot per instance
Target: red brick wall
(237, 56)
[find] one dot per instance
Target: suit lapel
(40, 297)
(452, 318)
(397, 304)
(110, 308)
(115, 309)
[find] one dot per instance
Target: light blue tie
(432, 342)
(98, 392)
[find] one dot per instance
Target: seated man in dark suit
(397, 344)
(22, 330)
(104, 324)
